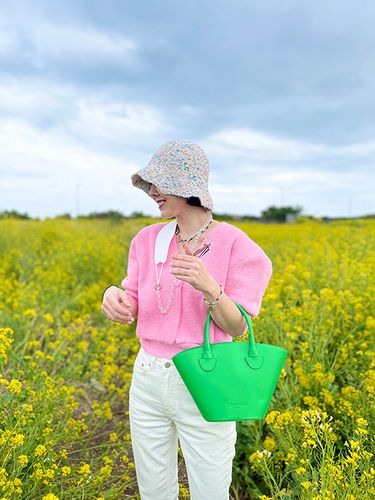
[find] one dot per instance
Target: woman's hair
(194, 201)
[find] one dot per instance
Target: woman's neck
(190, 223)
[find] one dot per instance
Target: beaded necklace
(177, 282)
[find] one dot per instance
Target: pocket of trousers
(141, 367)
(141, 364)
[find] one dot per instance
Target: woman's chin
(166, 214)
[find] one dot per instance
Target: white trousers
(162, 411)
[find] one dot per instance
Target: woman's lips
(161, 203)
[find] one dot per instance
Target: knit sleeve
(249, 273)
(130, 282)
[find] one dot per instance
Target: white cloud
(54, 41)
(8, 41)
(90, 116)
(250, 147)
(116, 121)
(91, 142)
(188, 110)
(32, 98)
(250, 170)
(43, 41)
(97, 142)
(26, 150)
(41, 170)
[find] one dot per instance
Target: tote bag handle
(253, 359)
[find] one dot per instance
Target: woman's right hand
(117, 306)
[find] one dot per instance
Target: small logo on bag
(239, 404)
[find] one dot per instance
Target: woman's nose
(153, 190)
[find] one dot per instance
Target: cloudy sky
(280, 95)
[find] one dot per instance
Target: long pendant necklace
(177, 282)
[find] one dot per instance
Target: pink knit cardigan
(234, 260)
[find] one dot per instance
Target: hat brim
(145, 182)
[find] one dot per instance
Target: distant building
(290, 217)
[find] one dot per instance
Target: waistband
(158, 360)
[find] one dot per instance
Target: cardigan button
(167, 364)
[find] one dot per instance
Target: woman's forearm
(225, 313)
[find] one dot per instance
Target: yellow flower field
(65, 369)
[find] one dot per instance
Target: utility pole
(349, 205)
(282, 196)
(77, 200)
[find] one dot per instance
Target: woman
(210, 264)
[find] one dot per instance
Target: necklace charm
(176, 282)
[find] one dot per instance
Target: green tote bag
(231, 380)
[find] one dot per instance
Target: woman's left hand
(188, 268)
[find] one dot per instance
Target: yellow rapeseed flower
(17, 440)
(85, 469)
(328, 397)
(15, 386)
(329, 495)
(354, 444)
(113, 437)
(327, 294)
(50, 473)
(83, 346)
(30, 313)
(4, 381)
(23, 459)
(6, 340)
(258, 455)
(184, 492)
(311, 401)
(302, 377)
(270, 417)
(361, 431)
(362, 422)
(38, 473)
(40, 450)
(309, 442)
(291, 456)
(318, 306)
(48, 317)
(66, 470)
(269, 443)
(283, 419)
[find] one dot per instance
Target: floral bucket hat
(179, 168)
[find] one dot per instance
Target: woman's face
(172, 206)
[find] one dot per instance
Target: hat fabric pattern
(179, 168)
